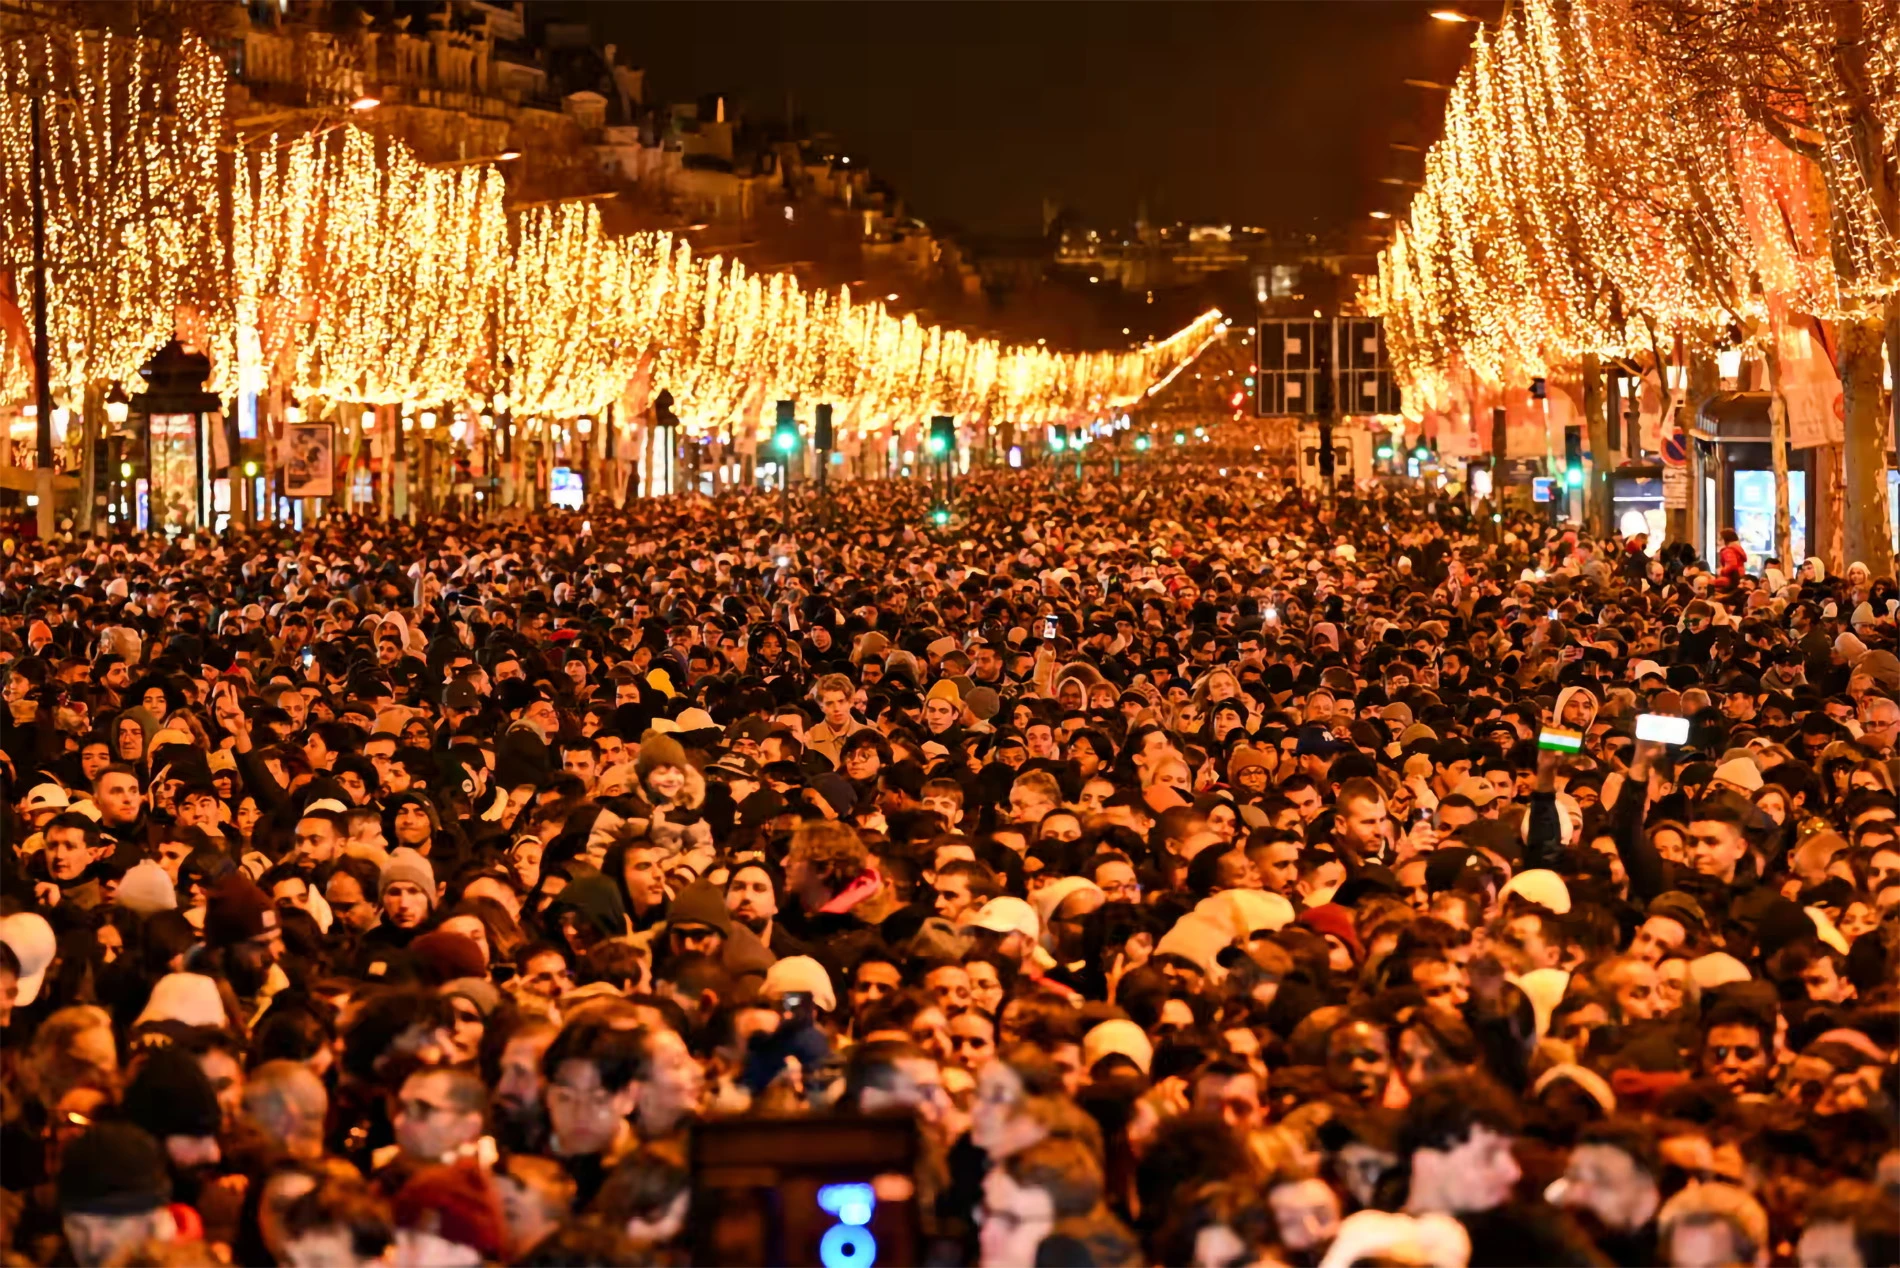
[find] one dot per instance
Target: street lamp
(1380, 215)
(118, 407)
(365, 103)
(1451, 16)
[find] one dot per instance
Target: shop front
(1732, 463)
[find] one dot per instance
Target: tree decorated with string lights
(1599, 192)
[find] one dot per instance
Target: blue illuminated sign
(848, 1243)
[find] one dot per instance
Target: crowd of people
(1201, 874)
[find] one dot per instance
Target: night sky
(1275, 114)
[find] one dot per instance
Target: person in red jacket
(1731, 561)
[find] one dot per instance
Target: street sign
(1675, 449)
(1519, 470)
(1541, 489)
(1301, 360)
(1675, 488)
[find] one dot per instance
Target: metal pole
(42, 343)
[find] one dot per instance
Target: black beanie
(114, 1169)
(170, 1096)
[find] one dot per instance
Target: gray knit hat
(407, 865)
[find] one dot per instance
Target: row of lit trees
(340, 268)
(1618, 178)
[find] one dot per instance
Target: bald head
(288, 1104)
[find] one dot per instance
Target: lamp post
(118, 408)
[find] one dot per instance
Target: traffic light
(1423, 452)
(821, 437)
(939, 515)
(1180, 438)
(1383, 453)
(943, 435)
(1573, 457)
(1141, 444)
(785, 433)
(1058, 439)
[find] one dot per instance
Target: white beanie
(146, 887)
(1741, 772)
(191, 998)
(800, 973)
(1117, 1036)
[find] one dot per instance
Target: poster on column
(309, 460)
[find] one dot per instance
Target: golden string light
(131, 129)
(353, 272)
(1589, 193)
(381, 280)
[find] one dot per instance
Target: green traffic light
(1058, 442)
(936, 445)
(940, 515)
(1574, 477)
(1248, 380)
(1383, 453)
(785, 441)
(1141, 443)
(1180, 438)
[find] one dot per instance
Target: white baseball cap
(1007, 915)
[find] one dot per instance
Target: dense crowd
(1179, 855)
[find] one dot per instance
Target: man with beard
(752, 896)
(171, 1098)
(241, 925)
(520, 1119)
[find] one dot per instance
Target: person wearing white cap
(27, 935)
(1015, 924)
(42, 803)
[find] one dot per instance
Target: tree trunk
(1599, 500)
(1893, 366)
(1705, 381)
(91, 406)
(1778, 444)
(1866, 538)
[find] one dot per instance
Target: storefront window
(1755, 514)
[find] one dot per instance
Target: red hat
(1331, 918)
(456, 1203)
(445, 956)
(236, 911)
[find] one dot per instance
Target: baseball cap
(1007, 915)
(47, 797)
(33, 944)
